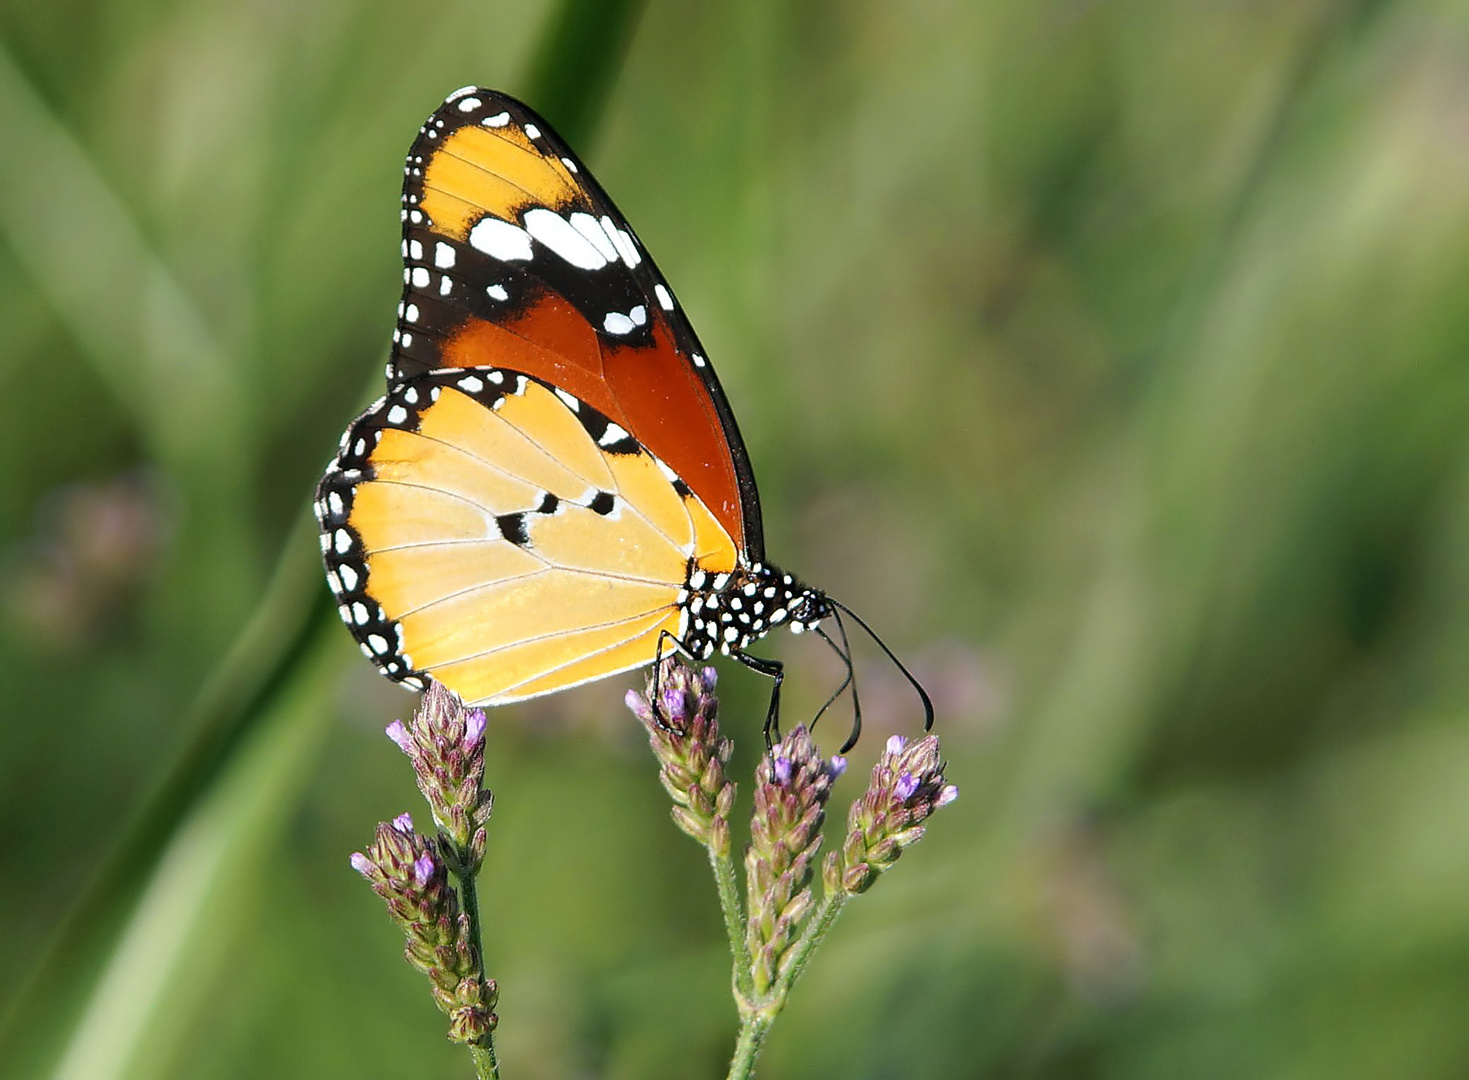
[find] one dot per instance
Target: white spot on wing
(470, 104)
(617, 323)
(562, 237)
(626, 247)
(500, 240)
(500, 119)
(471, 383)
(592, 229)
(613, 434)
(443, 255)
(460, 93)
(420, 277)
(497, 292)
(665, 300)
(532, 131)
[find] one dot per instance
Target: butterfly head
(808, 607)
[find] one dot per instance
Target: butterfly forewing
(515, 258)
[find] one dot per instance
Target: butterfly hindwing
(501, 535)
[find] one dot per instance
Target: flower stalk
(792, 785)
(775, 931)
(445, 743)
(692, 753)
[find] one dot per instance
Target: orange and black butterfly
(553, 488)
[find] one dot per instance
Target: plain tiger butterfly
(553, 489)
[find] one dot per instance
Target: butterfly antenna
(922, 693)
(847, 681)
(856, 702)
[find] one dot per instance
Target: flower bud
(691, 752)
(445, 742)
(792, 785)
(406, 870)
(907, 786)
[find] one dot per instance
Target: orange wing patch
(478, 170)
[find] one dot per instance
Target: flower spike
(907, 786)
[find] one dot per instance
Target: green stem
(469, 899)
(756, 1019)
(486, 1063)
(753, 1029)
(814, 935)
(734, 925)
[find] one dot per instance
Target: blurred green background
(1109, 358)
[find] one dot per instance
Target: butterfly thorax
(728, 611)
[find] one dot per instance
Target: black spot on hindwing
(512, 527)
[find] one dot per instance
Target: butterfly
(554, 488)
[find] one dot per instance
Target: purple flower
(474, 730)
(674, 711)
(792, 786)
(691, 752)
(405, 869)
(445, 742)
(907, 786)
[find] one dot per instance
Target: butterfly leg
(772, 669)
(656, 701)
